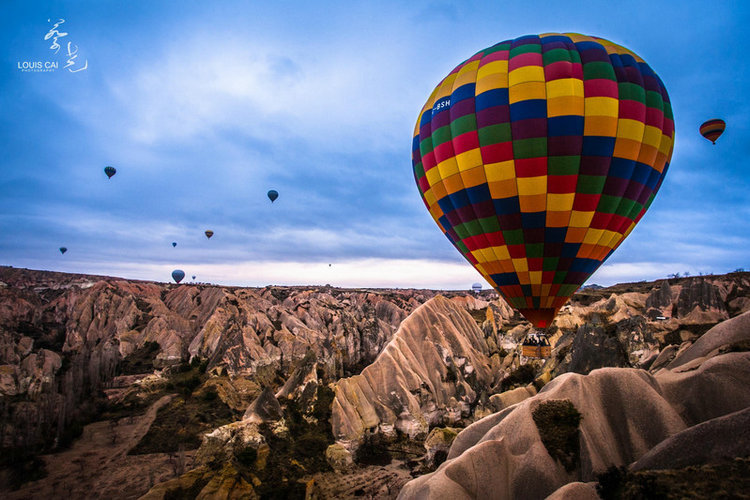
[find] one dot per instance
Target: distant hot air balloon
(209, 233)
(174, 244)
(63, 250)
(110, 171)
(712, 129)
(537, 157)
(476, 287)
(193, 277)
(272, 195)
(177, 275)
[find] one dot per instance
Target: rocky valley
(127, 389)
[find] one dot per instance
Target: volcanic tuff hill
(279, 384)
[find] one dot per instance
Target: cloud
(353, 273)
(326, 92)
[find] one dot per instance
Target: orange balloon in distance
(537, 157)
(712, 129)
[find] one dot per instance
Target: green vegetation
(721, 481)
(374, 450)
(557, 422)
(298, 454)
(188, 493)
(141, 360)
(523, 375)
(246, 456)
(186, 418)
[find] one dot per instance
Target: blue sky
(203, 109)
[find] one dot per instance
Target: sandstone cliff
(63, 337)
(431, 373)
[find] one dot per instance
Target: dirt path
(98, 466)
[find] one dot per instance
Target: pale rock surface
(509, 398)
(708, 389)
(720, 439)
(89, 323)
(265, 408)
(724, 334)
(428, 374)
(339, 458)
(665, 357)
(626, 413)
(220, 445)
(575, 491)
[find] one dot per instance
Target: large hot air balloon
(712, 129)
(174, 244)
(272, 195)
(209, 233)
(63, 250)
(537, 157)
(177, 275)
(110, 171)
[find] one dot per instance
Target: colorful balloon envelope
(177, 275)
(712, 129)
(110, 171)
(209, 233)
(537, 156)
(272, 195)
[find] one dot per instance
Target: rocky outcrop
(224, 443)
(265, 408)
(725, 335)
(702, 295)
(437, 444)
(431, 373)
(575, 491)
(63, 336)
(508, 398)
(720, 439)
(625, 413)
(659, 301)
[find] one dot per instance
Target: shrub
(247, 456)
(557, 422)
(611, 483)
(209, 395)
(524, 375)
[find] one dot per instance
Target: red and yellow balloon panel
(537, 157)
(712, 129)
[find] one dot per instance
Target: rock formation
(63, 336)
(431, 373)
(402, 363)
(627, 415)
(265, 408)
